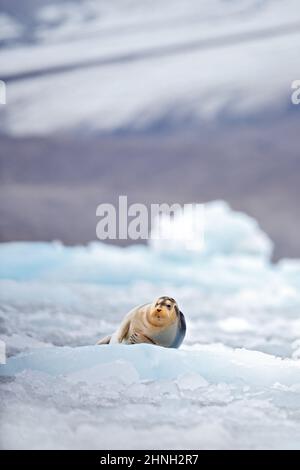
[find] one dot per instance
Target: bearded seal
(160, 323)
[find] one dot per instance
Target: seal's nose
(158, 309)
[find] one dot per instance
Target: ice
(233, 242)
(191, 381)
(234, 383)
(144, 396)
(214, 363)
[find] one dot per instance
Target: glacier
(166, 55)
(234, 383)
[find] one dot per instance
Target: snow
(234, 383)
(162, 78)
(9, 29)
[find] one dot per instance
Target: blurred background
(162, 101)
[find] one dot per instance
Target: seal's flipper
(122, 332)
(138, 338)
(105, 340)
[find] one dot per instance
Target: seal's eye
(168, 305)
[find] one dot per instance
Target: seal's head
(163, 311)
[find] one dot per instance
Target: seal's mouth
(161, 313)
(160, 316)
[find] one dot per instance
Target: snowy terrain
(140, 65)
(235, 382)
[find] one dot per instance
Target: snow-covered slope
(137, 65)
(235, 382)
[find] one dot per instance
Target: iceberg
(233, 243)
(224, 231)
